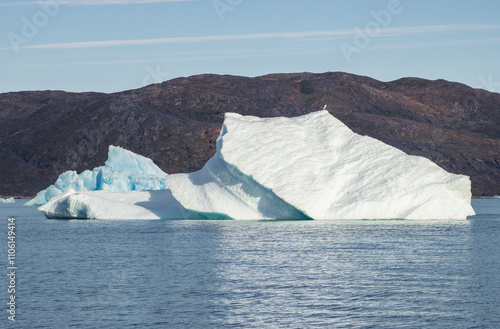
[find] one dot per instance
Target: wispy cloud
(142, 42)
(419, 45)
(418, 30)
(187, 57)
(403, 31)
(334, 34)
(84, 2)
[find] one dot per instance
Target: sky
(115, 45)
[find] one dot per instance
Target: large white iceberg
(315, 167)
(123, 171)
(309, 167)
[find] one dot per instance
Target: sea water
(252, 274)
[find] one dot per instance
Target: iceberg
(7, 200)
(308, 167)
(123, 171)
(157, 204)
(315, 167)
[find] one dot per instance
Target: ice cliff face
(123, 171)
(221, 191)
(308, 167)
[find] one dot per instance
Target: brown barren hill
(176, 123)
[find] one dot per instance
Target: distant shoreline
(16, 197)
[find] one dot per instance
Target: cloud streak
(84, 2)
(334, 34)
(187, 57)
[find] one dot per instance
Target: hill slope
(45, 133)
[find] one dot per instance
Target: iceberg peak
(120, 159)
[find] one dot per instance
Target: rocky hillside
(45, 133)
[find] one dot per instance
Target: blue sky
(115, 45)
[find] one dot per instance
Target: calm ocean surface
(257, 274)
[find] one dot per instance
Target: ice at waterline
(7, 200)
(308, 167)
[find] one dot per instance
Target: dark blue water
(259, 274)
